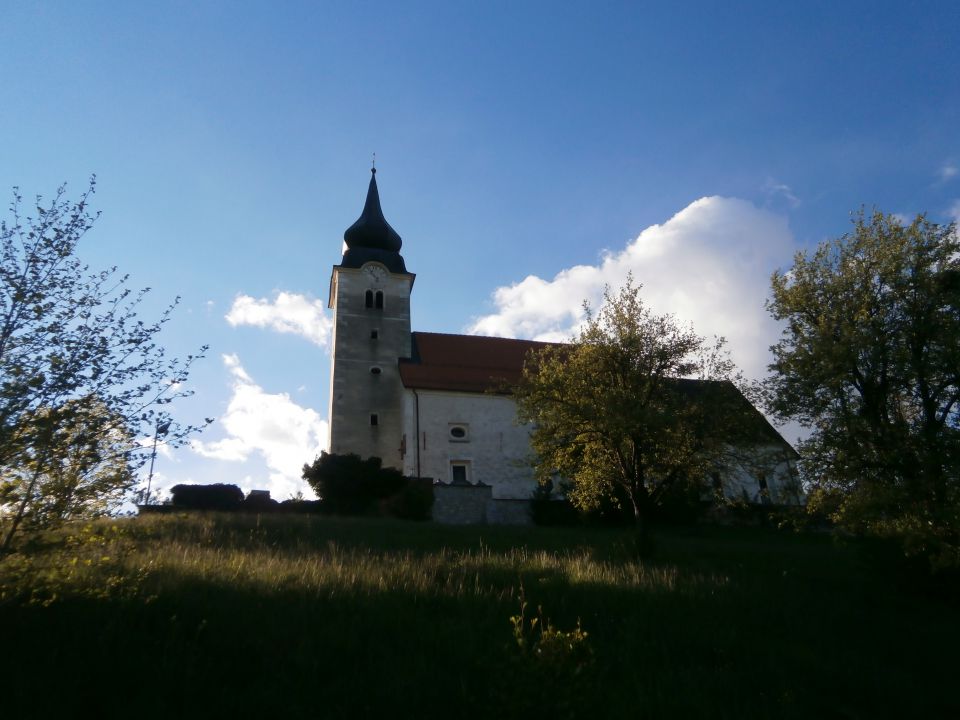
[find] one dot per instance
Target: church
(437, 406)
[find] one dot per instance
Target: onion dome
(370, 238)
(371, 230)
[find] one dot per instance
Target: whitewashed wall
(496, 449)
(498, 452)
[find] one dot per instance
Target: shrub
(547, 510)
(550, 672)
(349, 485)
(207, 497)
(301, 506)
(259, 501)
(413, 502)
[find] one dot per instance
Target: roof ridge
(487, 337)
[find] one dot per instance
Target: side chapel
(433, 405)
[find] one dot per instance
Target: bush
(259, 501)
(681, 504)
(551, 672)
(414, 501)
(207, 497)
(349, 485)
(547, 510)
(301, 506)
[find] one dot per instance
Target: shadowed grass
(320, 617)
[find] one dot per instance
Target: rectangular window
(764, 490)
(458, 473)
(374, 334)
(374, 419)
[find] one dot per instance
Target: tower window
(374, 419)
(368, 299)
(459, 433)
(375, 370)
(374, 334)
(379, 300)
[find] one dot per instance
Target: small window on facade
(374, 334)
(458, 433)
(368, 299)
(458, 473)
(374, 419)
(379, 300)
(375, 370)
(764, 491)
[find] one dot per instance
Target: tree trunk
(642, 539)
(21, 511)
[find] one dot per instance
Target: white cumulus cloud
(284, 434)
(286, 313)
(709, 265)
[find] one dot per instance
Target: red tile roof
(465, 363)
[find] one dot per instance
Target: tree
(82, 377)
(869, 362)
(616, 413)
(73, 463)
(349, 485)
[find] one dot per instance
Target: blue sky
(527, 154)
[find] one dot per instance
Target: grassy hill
(315, 617)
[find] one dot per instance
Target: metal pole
(153, 457)
(161, 429)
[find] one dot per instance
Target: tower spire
(371, 230)
(371, 237)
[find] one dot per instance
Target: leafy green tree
(616, 414)
(869, 362)
(74, 462)
(82, 377)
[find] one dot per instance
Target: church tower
(370, 298)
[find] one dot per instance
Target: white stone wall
(496, 449)
(460, 505)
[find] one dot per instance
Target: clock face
(375, 273)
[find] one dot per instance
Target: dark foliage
(414, 501)
(350, 485)
(259, 501)
(548, 510)
(207, 497)
(681, 504)
(301, 506)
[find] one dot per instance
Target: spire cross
(373, 163)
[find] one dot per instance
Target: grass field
(315, 617)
